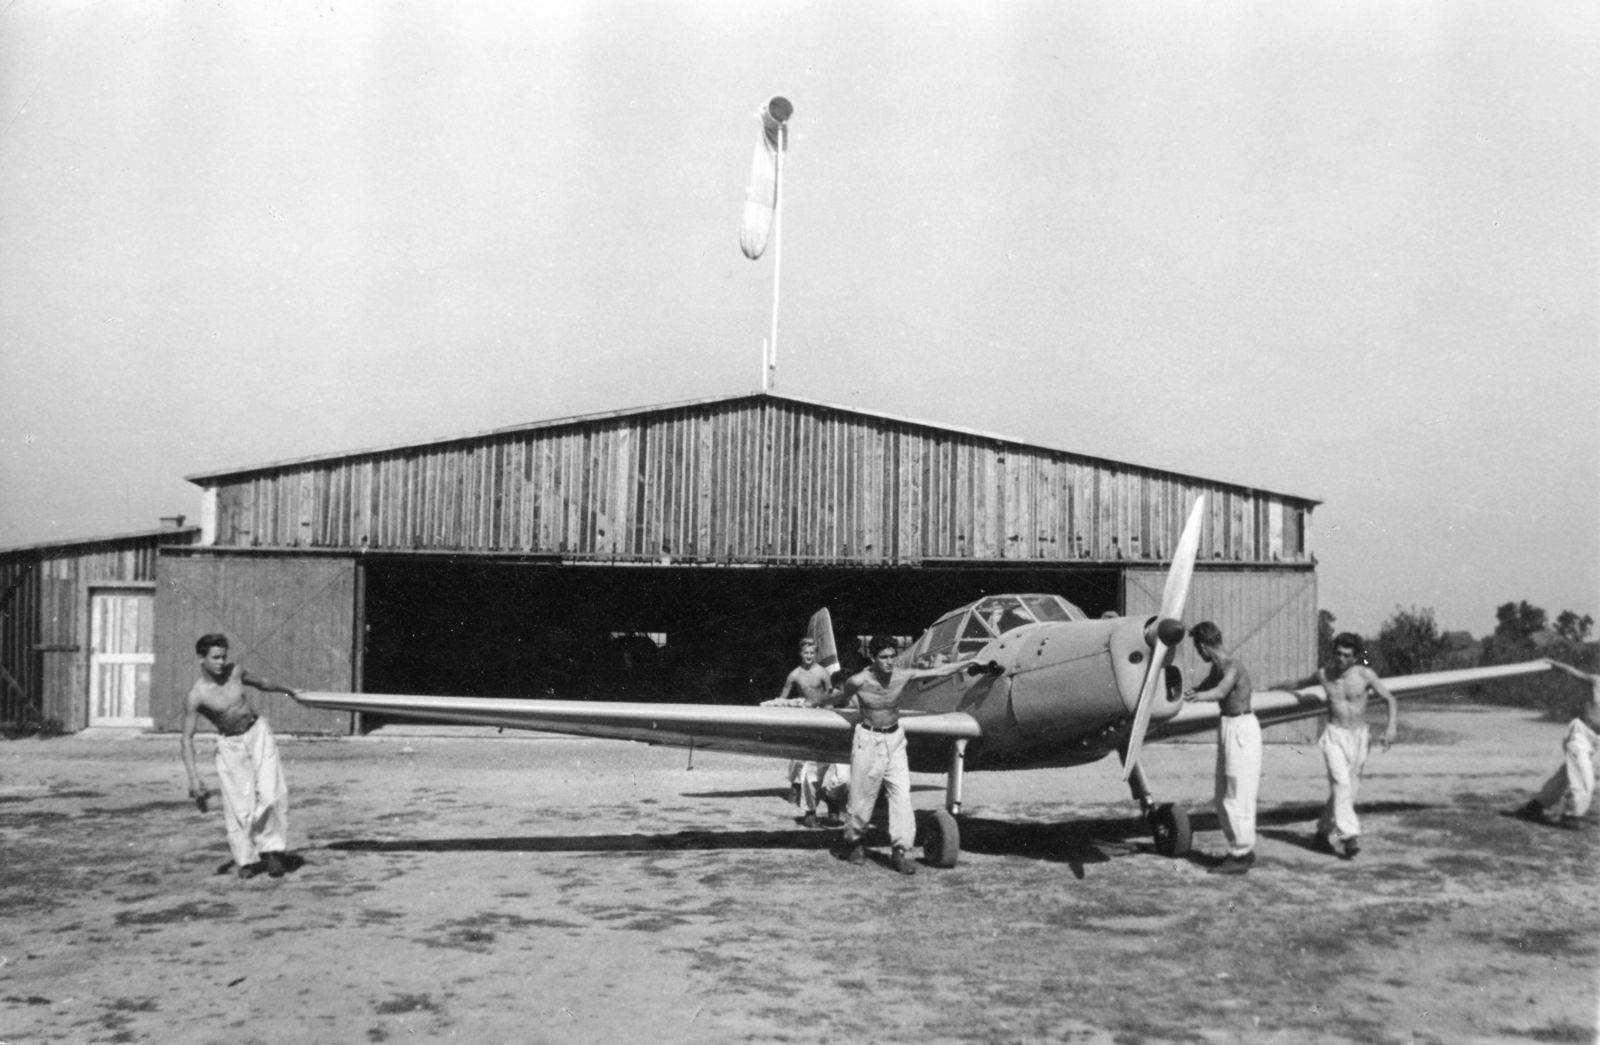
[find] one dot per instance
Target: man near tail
(255, 800)
(1238, 747)
(1570, 789)
(808, 686)
(1346, 739)
(878, 756)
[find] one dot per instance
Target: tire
(941, 844)
(1169, 826)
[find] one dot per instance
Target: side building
(675, 552)
(77, 629)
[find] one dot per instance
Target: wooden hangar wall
(748, 479)
(1268, 619)
(395, 567)
(77, 629)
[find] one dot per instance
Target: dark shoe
(811, 820)
(1351, 848)
(1230, 864)
(1323, 844)
(1568, 822)
(901, 862)
(835, 810)
(1532, 812)
(274, 864)
(1249, 858)
(250, 870)
(857, 854)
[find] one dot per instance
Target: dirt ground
(467, 886)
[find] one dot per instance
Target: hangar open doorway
(719, 634)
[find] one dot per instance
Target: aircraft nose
(1167, 630)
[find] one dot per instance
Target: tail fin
(821, 632)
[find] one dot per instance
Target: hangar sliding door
(289, 619)
(1268, 619)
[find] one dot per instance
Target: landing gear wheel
(1169, 825)
(941, 844)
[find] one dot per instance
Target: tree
(1513, 642)
(1409, 642)
(1518, 621)
(1572, 627)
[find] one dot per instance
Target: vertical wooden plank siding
(750, 479)
(1268, 619)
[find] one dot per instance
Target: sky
(1349, 251)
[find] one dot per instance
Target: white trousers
(255, 800)
(1345, 750)
(1571, 787)
(1238, 778)
(819, 780)
(878, 760)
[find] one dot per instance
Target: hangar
(660, 552)
(675, 552)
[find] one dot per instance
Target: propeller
(821, 631)
(1168, 630)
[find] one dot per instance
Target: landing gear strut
(941, 844)
(1169, 824)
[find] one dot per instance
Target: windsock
(761, 195)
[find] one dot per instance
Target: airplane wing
(811, 734)
(1275, 706)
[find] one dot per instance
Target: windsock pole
(770, 372)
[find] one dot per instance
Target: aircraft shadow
(760, 792)
(775, 792)
(1077, 843)
(801, 839)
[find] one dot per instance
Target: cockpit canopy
(960, 635)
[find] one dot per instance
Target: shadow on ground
(1078, 843)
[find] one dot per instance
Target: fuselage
(1056, 691)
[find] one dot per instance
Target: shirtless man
(807, 686)
(878, 756)
(1570, 788)
(1238, 748)
(1345, 741)
(255, 800)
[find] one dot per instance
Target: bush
(1555, 693)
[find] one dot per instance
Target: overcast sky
(1347, 251)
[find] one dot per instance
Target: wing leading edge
(1275, 706)
(812, 734)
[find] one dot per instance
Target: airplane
(1006, 682)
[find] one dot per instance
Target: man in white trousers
(1346, 740)
(255, 800)
(1238, 748)
(1570, 789)
(808, 686)
(878, 756)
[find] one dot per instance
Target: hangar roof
(67, 546)
(205, 478)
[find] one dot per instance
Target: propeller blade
(821, 632)
(1147, 699)
(1176, 592)
(1173, 598)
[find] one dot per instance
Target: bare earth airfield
(467, 886)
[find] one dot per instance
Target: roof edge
(108, 539)
(199, 478)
